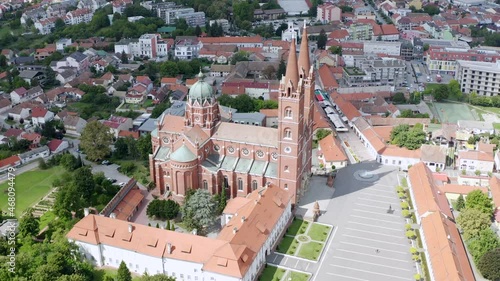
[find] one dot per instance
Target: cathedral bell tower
(291, 126)
(202, 108)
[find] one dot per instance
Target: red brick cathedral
(198, 150)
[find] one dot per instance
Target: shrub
(415, 257)
(417, 277)
(410, 234)
(405, 213)
(404, 205)
(408, 226)
(400, 189)
(401, 195)
(413, 250)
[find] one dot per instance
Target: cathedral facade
(198, 150)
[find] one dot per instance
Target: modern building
(443, 60)
(148, 45)
(254, 224)
(482, 78)
(170, 13)
(374, 71)
(198, 150)
(328, 12)
(380, 47)
(360, 31)
(187, 47)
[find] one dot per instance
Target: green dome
(201, 90)
(183, 155)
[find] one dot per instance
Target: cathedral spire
(292, 74)
(304, 63)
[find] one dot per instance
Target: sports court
(452, 112)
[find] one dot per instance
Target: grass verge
(318, 232)
(297, 227)
(288, 246)
(311, 250)
(299, 276)
(272, 273)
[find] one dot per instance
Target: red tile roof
(13, 133)
(38, 112)
(327, 78)
(54, 144)
(331, 149)
(10, 161)
(124, 134)
(31, 136)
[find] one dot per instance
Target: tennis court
(452, 112)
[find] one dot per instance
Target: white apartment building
(78, 16)
(150, 45)
(187, 48)
(328, 12)
(480, 77)
(379, 47)
(171, 13)
(46, 25)
(255, 225)
(474, 160)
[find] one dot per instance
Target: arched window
(288, 134)
(254, 185)
(240, 184)
(205, 184)
(288, 112)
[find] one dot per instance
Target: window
(286, 169)
(240, 184)
(182, 275)
(288, 134)
(286, 186)
(288, 112)
(254, 185)
(205, 184)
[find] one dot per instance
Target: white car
(121, 184)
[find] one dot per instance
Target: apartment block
(443, 60)
(170, 13)
(150, 45)
(374, 72)
(480, 77)
(328, 12)
(360, 31)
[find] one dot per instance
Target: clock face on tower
(165, 140)
(197, 118)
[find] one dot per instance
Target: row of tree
(245, 103)
(475, 220)
(445, 91)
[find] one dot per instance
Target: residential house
(31, 76)
(473, 160)
(434, 156)
(271, 117)
(13, 133)
(32, 155)
(117, 124)
(40, 116)
(57, 146)
(120, 5)
(5, 105)
(11, 162)
(66, 76)
(46, 25)
(76, 60)
(187, 47)
(331, 154)
(62, 43)
(18, 94)
(74, 125)
(144, 81)
(34, 138)
(220, 70)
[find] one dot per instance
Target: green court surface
(452, 112)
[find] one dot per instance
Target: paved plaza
(368, 242)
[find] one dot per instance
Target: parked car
(112, 180)
(106, 162)
(121, 184)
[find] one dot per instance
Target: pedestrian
(377, 251)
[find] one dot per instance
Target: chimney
(86, 211)
(243, 219)
(112, 216)
(169, 248)
(194, 232)
(449, 237)
(130, 228)
(235, 230)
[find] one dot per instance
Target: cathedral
(198, 150)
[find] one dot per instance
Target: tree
(160, 108)
(431, 9)
(69, 162)
(489, 265)
(441, 92)
(478, 200)
(123, 273)
(124, 57)
(322, 133)
(322, 39)
(197, 31)
(144, 146)
(412, 138)
(269, 72)
(281, 69)
(3, 61)
(59, 24)
(336, 50)
(96, 140)
(200, 210)
(399, 98)
(454, 89)
(460, 203)
(487, 241)
(28, 225)
(157, 277)
(240, 56)
(472, 222)
(222, 200)
(84, 183)
(163, 209)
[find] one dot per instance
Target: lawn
(299, 276)
(494, 110)
(288, 246)
(496, 126)
(30, 187)
(272, 273)
(452, 112)
(298, 227)
(311, 250)
(432, 86)
(46, 218)
(318, 232)
(140, 172)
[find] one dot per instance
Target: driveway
(368, 243)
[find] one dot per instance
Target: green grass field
(299, 276)
(272, 273)
(452, 112)
(318, 232)
(311, 250)
(288, 246)
(30, 187)
(100, 274)
(297, 227)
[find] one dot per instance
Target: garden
(304, 239)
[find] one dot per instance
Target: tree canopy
(200, 209)
(245, 103)
(411, 138)
(163, 209)
(96, 140)
(472, 222)
(480, 201)
(123, 273)
(486, 241)
(489, 265)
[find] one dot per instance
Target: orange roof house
(444, 249)
(331, 152)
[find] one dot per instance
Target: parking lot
(368, 243)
